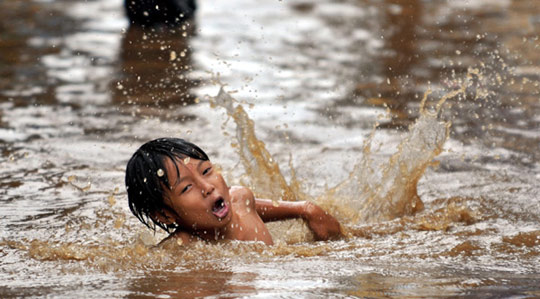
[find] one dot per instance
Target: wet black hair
(146, 177)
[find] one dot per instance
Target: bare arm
(322, 224)
(270, 210)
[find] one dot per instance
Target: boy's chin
(216, 222)
(224, 221)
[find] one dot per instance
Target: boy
(173, 183)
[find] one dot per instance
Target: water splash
(378, 191)
(374, 190)
(386, 190)
(265, 176)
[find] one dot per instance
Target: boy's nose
(207, 189)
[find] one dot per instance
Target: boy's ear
(164, 216)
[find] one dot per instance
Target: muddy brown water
(80, 91)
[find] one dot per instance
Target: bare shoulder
(242, 197)
(239, 193)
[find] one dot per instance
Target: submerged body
(192, 197)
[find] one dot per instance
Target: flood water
(333, 90)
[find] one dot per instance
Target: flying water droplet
(112, 200)
(87, 187)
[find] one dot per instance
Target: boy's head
(147, 178)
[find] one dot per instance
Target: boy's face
(199, 199)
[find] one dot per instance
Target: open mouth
(220, 208)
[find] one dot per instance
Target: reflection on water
(210, 281)
(398, 62)
(79, 92)
(154, 67)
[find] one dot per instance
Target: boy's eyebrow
(181, 178)
(200, 163)
(178, 181)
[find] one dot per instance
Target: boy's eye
(186, 188)
(207, 170)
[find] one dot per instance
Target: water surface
(80, 91)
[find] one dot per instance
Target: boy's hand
(322, 224)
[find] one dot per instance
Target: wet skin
(204, 207)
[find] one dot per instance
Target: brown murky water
(428, 211)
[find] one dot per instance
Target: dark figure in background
(155, 57)
(149, 13)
